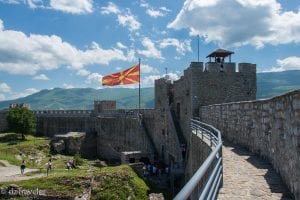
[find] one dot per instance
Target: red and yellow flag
(128, 76)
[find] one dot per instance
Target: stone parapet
(270, 128)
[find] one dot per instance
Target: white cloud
(165, 9)
(111, 8)
(239, 22)
(121, 46)
(67, 6)
(148, 81)
(146, 69)
(154, 13)
(10, 1)
(2, 97)
(72, 6)
(6, 92)
(41, 77)
(173, 76)
(67, 86)
(289, 63)
(151, 51)
(25, 93)
(129, 21)
(124, 17)
(33, 4)
(83, 72)
(131, 55)
(94, 78)
(143, 4)
(181, 46)
(4, 88)
(22, 54)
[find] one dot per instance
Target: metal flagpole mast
(198, 46)
(140, 85)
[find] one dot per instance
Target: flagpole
(198, 46)
(140, 85)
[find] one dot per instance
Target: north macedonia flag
(128, 76)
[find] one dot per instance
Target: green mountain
(268, 85)
(274, 83)
(83, 98)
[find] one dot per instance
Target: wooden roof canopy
(222, 53)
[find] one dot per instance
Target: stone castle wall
(199, 151)
(269, 127)
(118, 134)
(199, 87)
(51, 125)
(126, 132)
(164, 136)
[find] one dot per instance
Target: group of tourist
(48, 164)
(69, 165)
(155, 170)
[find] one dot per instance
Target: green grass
(119, 182)
(33, 150)
(65, 184)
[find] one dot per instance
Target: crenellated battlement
(227, 67)
(247, 68)
(63, 112)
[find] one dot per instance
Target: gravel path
(247, 176)
(13, 173)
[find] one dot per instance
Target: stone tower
(218, 82)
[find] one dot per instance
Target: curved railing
(209, 176)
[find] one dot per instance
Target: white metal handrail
(210, 186)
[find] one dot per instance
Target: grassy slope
(110, 182)
(13, 149)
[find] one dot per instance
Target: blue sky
(73, 43)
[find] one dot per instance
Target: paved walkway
(11, 173)
(246, 176)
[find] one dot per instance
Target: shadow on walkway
(272, 178)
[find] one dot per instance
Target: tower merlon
(247, 68)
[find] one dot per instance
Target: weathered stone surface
(72, 142)
(119, 134)
(58, 147)
(246, 176)
(270, 128)
(156, 196)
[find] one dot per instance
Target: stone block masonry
(119, 134)
(270, 128)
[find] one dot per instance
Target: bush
(78, 159)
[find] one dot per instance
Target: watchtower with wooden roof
(219, 55)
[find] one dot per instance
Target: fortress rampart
(267, 127)
(270, 128)
(213, 84)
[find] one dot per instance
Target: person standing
(49, 166)
(23, 166)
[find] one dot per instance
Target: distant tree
(21, 120)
